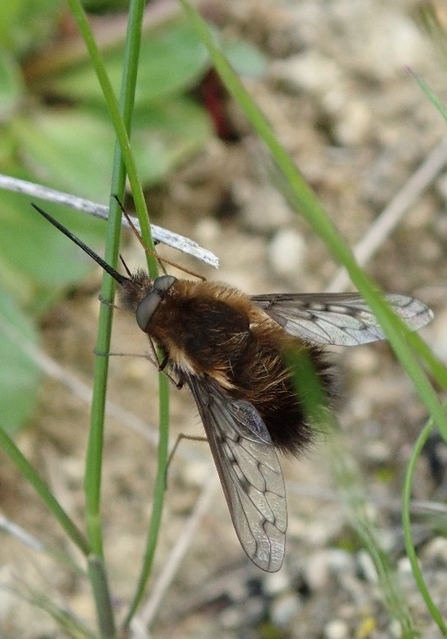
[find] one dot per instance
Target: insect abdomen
(280, 398)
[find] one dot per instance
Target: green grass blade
(98, 579)
(157, 508)
(72, 626)
(313, 398)
(406, 521)
(41, 488)
(305, 201)
(431, 95)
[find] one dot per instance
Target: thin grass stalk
(350, 485)
(104, 607)
(305, 201)
(31, 475)
(157, 508)
(406, 522)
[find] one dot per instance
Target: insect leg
(194, 438)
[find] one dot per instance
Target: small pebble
(276, 582)
(284, 608)
(437, 550)
(336, 629)
(311, 72)
(265, 209)
(324, 563)
(288, 254)
(249, 613)
(367, 567)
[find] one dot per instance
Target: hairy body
(214, 330)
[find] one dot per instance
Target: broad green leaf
(70, 148)
(36, 261)
(19, 375)
(245, 58)
(166, 135)
(73, 149)
(172, 60)
(25, 24)
(10, 13)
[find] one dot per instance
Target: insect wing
(249, 471)
(342, 319)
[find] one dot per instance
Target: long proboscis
(121, 279)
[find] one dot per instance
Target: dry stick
(391, 504)
(179, 242)
(22, 535)
(158, 591)
(394, 212)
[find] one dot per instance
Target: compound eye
(163, 283)
(148, 304)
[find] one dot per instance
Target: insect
(233, 352)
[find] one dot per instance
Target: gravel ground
(360, 129)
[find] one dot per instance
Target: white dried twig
(184, 541)
(179, 242)
(21, 534)
(394, 212)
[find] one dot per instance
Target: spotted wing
(343, 319)
(249, 471)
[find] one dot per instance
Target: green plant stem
(157, 508)
(100, 587)
(94, 453)
(131, 52)
(119, 126)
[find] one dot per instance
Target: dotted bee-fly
(233, 352)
